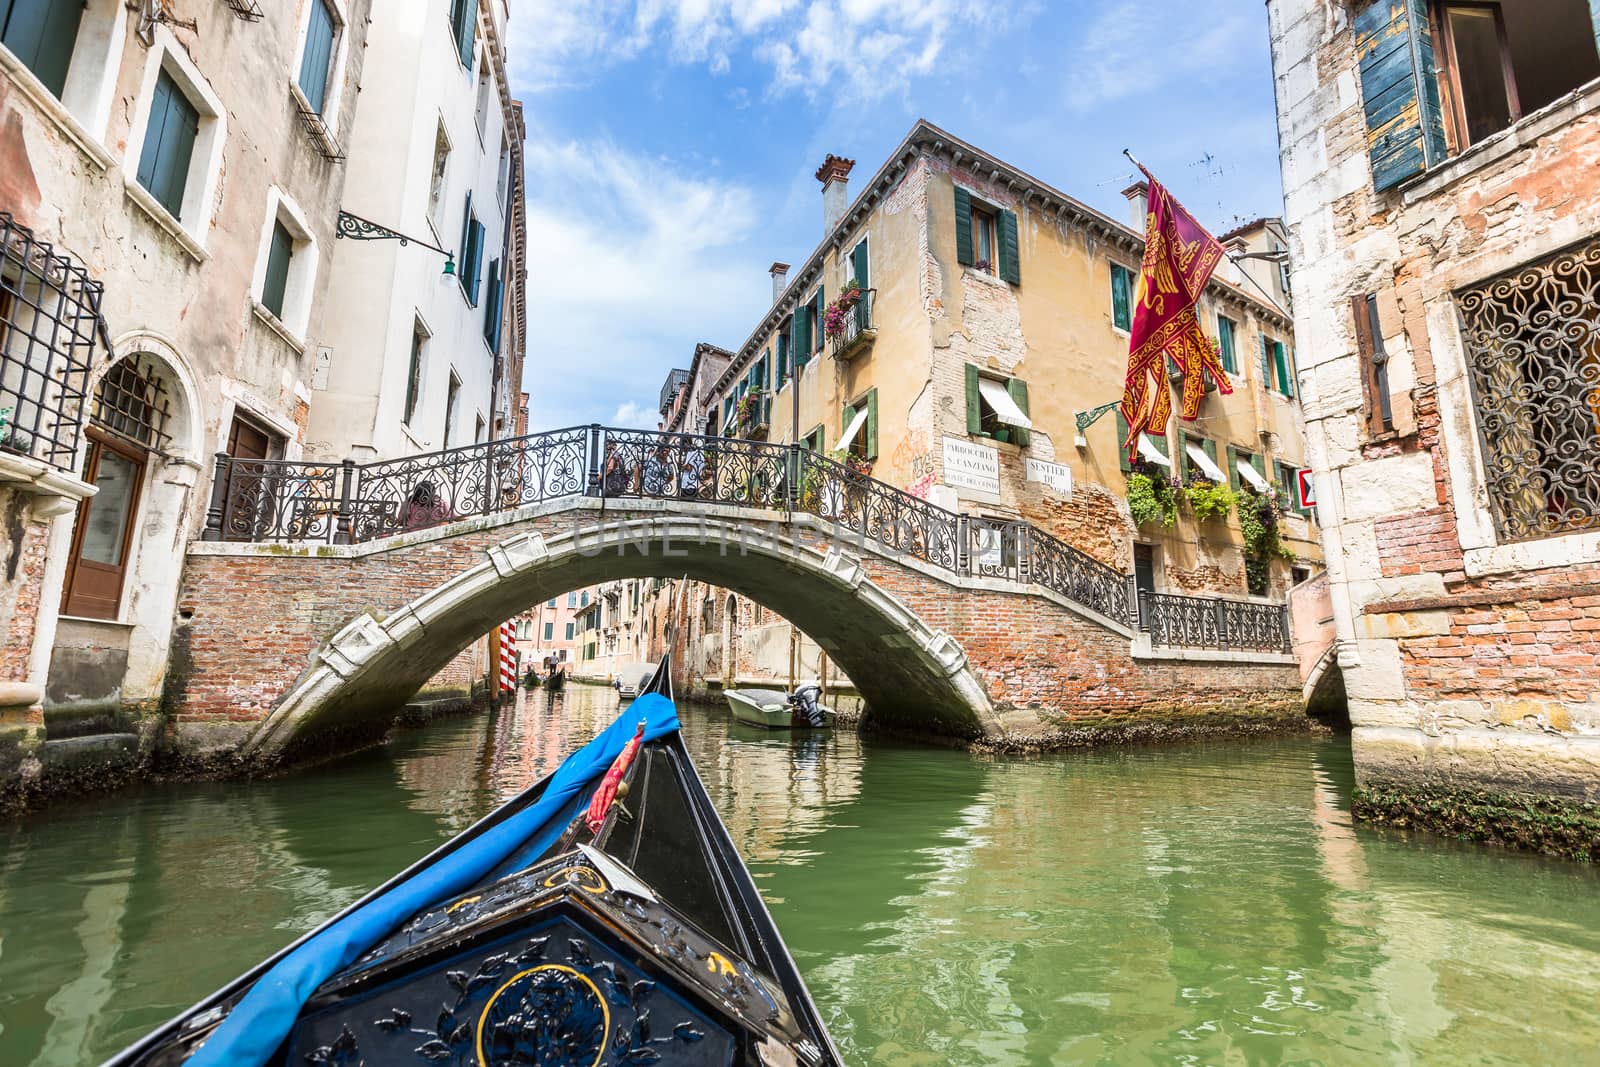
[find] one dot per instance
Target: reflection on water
(1197, 905)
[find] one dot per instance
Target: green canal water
(1202, 905)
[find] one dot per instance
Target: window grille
(49, 325)
(1532, 339)
(132, 403)
(249, 10)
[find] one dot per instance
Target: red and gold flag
(1179, 256)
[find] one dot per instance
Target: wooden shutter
(475, 248)
(1280, 356)
(818, 316)
(872, 425)
(1019, 395)
(846, 413)
(42, 33)
(964, 253)
(1230, 361)
(1121, 298)
(783, 356)
(1400, 90)
(1259, 462)
(974, 412)
(1373, 360)
(802, 334)
(858, 258)
(1010, 270)
(1122, 438)
(1233, 468)
(466, 237)
(466, 30)
(314, 61)
(277, 280)
(1266, 362)
(168, 144)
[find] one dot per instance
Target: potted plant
(1208, 499)
(984, 265)
(747, 409)
(1150, 495)
(836, 316)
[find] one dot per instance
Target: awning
(1251, 475)
(1148, 449)
(854, 428)
(1206, 463)
(1005, 409)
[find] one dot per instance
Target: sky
(672, 146)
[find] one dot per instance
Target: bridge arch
(908, 673)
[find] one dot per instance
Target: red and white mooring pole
(508, 657)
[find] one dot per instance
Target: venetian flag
(1179, 256)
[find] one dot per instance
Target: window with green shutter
(471, 259)
(864, 444)
(493, 307)
(1008, 248)
(783, 356)
(1266, 362)
(168, 144)
(802, 336)
(464, 24)
(41, 33)
(964, 250)
(1399, 89)
(983, 417)
(317, 57)
(859, 265)
(1226, 328)
(817, 314)
(279, 253)
(1121, 297)
(1280, 361)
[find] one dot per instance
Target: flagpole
(1237, 261)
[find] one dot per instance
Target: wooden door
(102, 540)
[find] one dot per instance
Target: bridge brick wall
(256, 618)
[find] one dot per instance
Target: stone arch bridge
(322, 596)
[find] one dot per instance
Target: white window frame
(419, 326)
(304, 260)
(436, 206)
(334, 97)
(482, 99)
(847, 267)
(205, 165)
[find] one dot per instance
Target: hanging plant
(748, 407)
(1258, 519)
(1208, 499)
(1151, 499)
(853, 463)
(836, 316)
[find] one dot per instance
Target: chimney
(780, 279)
(1138, 195)
(834, 174)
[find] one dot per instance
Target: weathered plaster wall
(1469, 661)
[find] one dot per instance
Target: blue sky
(672, 146)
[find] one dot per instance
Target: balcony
(50, 327)
(855, 330)
(753, 416)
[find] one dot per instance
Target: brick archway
(401, 609)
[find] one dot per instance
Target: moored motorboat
(778, 710)
(602, 917)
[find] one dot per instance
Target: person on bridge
(657, 472)
(617, 475)
(424, 508)
(691, 470)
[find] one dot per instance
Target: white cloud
(632, 260)
(866, 48)
(1135, 47)
(635, 416)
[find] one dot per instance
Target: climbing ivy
(1258, 519)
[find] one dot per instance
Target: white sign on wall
(1056, 477)
(970, 466)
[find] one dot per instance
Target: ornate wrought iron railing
(856, 325)
(1175, 620)
(345, 503)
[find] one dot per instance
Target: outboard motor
(803, 702)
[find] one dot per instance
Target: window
(441, 162)
(986, 237)
(1226, 332)
(569, 631)
(1144, 575)
(419, 341)
(1122, 288)
(1152, 448)
(464, 25)
(813, 440)
(1532, 361)
(1374, 363)
(857, 267)
(1246, 471)
(279, 253)
(800, 345)
(859, 421)
(452, 402)
(817, 313)
(1277, 370)
(1288, 499)
(471, 266)
(583, 599)
(502, 180)
(478, 426)
(549, 631)
(782, 345)
(316, 61)
(1200, 461)
(494, 307)
(485, 84)
(169, 145)
(1500, 62)
(42, 33)
(552, 603)
(997, 407)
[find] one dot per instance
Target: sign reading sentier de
(1308, 491)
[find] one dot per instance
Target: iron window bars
(132, 403)
(272, 500)
(249, 10)
(50, 322)
(1532, 343)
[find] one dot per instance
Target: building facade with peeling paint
(186, 155)
(1441, 168)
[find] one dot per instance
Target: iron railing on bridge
(350, 503)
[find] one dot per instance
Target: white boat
(776, 710)
(631, 681)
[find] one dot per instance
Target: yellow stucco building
(993, 314)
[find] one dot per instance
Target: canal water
(1194, 905)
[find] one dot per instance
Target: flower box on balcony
(848, 323)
